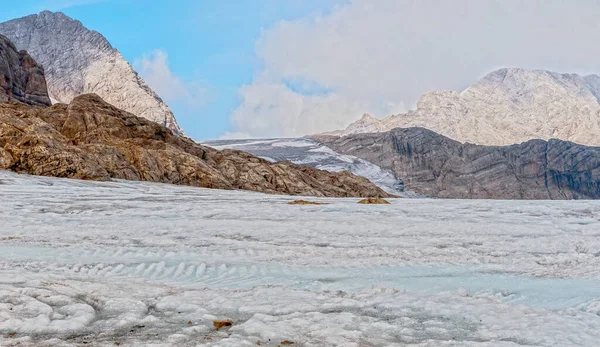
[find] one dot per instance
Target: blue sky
(208, 42)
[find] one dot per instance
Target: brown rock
(90, 139)
(373, 201)
(304, 202)
(21, 78)
(222, 323)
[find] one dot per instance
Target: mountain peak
(367, 117)
(506, 106)
(47, 13)
(79, 61)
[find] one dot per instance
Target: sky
(288, 68)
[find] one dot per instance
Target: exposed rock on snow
(435, 165)
(90, 139)
(79, 61)
(21, 78)
(507, 106)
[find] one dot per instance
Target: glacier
(144, 264)
(304, 151)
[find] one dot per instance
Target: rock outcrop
(90, 139)
(438, 166)
(79, 61)
(507, 106)
(21, 78)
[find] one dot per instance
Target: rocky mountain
(435, 165)
(311, 153)
(90, 139)
(79, 61)
(507, 106)
(21, 78)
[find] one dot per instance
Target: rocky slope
(435, 165)
(507, 106)
(79, 61)
(21, 78)
(90, 139)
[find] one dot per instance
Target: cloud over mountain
(321, 73)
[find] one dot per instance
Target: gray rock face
(80, 61)
(438, 166)
(21, 78)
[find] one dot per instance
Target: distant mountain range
(79, 61)
(435, 165)
(508, 106)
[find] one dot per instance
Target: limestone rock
(438, 166)
(21, 78)
(507, 106)
(80, 61)
(374, 201)
(91, 139)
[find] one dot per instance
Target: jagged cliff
(505, 107)
(79, 61)
(438, 166)
(21, 78)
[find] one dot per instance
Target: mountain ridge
(507, 106)
(435, 165)
(79, 61)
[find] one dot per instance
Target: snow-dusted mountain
(310, 153)
(505, 107)
(80, 61)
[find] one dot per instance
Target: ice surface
(141, 264)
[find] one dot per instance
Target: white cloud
(377, 56)
(154, 68)
(275, 110)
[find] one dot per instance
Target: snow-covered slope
(310, 153)
(142, 264)
(507, 106)
(80, 61)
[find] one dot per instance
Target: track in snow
(153, 265)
